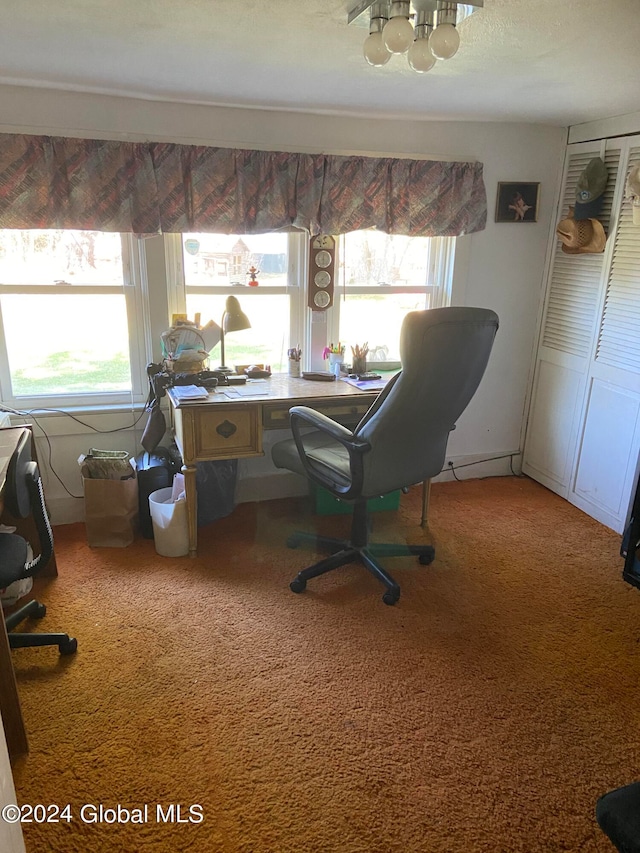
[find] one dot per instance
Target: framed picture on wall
(517, 202)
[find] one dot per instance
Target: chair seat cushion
(324, 452)
(13, 556)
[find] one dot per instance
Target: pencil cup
(294, 368)
(359, 364)
(336, 360)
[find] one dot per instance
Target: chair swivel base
(343, 553)
(66, 645)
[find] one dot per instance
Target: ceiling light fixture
(420, 55)
(374, 49)
(423, 29)
(398, 32)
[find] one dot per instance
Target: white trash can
(169, 519)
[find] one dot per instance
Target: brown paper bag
(111, 511)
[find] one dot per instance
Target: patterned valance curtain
(154, 187)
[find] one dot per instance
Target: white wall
(11, 840)
(500, 268)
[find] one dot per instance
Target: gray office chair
(23, 495)
(400, 441)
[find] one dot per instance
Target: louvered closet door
(607, 454)
(570, 323)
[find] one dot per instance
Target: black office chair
(618, 816)
(400, 441)
(23, 495)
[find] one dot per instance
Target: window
(219, 265)
(381, 277)
(69, 307)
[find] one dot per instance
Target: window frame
(439, 271)
(153, 282)
(135, 290)
(295, 289)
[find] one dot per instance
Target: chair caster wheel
(391, 596)
(426, 559)
(40, 611)
(68, 647)
(298, 585)
(293, 541)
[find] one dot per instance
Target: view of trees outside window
(371, 258)
(381, 278)
(64, 312)
(216, 265)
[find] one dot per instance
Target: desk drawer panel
(276, 415)
(226, 433)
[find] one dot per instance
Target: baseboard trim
(284, 484)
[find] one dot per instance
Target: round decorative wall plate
(322, 279)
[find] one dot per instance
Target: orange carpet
(486, 711)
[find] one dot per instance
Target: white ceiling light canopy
(424, 29)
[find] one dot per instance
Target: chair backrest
(444, 353)
(16, 490)
(24, 496)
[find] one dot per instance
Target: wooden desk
(230, 427)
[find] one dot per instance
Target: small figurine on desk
(253, 281)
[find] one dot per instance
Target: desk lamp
(233, 320)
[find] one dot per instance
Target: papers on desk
(367, 385)
(233, 392)
(183, 393)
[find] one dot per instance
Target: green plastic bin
(326, 504)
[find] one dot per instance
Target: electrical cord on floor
(453, 468)
(30, 415)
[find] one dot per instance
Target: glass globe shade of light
(420, 57)
(375, 51)
(398, 34)
(444, 41)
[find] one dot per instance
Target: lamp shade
(234, 318)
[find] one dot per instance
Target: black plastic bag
(216, 488)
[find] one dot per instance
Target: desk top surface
(278, 388)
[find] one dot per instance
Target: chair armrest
(356, 447)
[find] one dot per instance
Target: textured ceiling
(557, 62)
